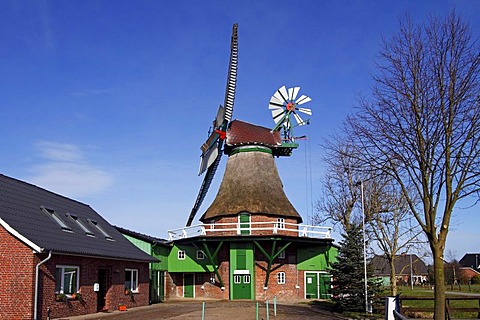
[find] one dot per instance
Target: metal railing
(251, 228)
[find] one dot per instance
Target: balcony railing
(251, 228)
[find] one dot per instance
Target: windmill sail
(211, 149)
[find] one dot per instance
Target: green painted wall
(190, 263)
(316, 257)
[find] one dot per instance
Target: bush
(476, 279)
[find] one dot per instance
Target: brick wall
(17, 277)
(258, 221)
(89, 273)
(294, 283)
(17, 274)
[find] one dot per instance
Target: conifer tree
(348, 274)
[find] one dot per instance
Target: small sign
(96, 287)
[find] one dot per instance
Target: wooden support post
(270, 257)
(212, 257)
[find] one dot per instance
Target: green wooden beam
(270, 257)
(212, 257)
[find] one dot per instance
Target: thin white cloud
(63, 170)
(56, 151)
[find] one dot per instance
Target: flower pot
(122, 307)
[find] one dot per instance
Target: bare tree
(422, 126)
(389, 222)
(340, 192)
(386, 212)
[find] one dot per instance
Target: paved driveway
(217, 310)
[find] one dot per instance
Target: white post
(364, 249)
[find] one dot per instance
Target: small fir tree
(348, 274)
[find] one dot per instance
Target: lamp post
(411, 272)
(364, 249)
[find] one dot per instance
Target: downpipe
(37, 270)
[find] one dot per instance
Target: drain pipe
(37, 270)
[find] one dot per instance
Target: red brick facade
(266, 225)
(17, 275)
(293, 289)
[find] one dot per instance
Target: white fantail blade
(208, 158)
(274, 106)
(305, 110)
(275, 100)
(278, 114)
(281, 94)
(303, 99)
(292, 93)
(299, 120)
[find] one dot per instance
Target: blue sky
(108, 102)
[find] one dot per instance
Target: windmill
(247, 146)
(211, 149)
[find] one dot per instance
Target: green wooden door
(244, 220)
(242, 286)
(311, 285)
(324, 286)
(188, 285)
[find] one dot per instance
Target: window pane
(134, 280)
(128, 279)
(70, 280)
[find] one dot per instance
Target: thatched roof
(251, 184)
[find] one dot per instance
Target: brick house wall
(293, 288)
(89, 270)
(17, 276)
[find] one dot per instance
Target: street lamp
(364, 248)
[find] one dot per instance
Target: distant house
(471, 260)
(60, 258)
(157, 248)
(408, 267)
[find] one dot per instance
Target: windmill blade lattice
(212, 148)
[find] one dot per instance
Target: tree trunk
(439, 292)
(393, 280)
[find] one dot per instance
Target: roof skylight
(56, 218)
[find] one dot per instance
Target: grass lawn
(428, 293)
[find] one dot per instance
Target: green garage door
(317, 285)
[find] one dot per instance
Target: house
(471, 260)
(409, 269)
(251, 243)
(60, 258)
(157, 248)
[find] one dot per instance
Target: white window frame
(181, 255)
(200, 255)
(212, 277)
(133, 285)
(62, 278)
(281, 277)
(246, 278)
(281, 255)
(237, 278)
(280, 223)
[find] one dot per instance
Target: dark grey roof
(471, 260)
(21, 214)
(141, 236)
(402, 265)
